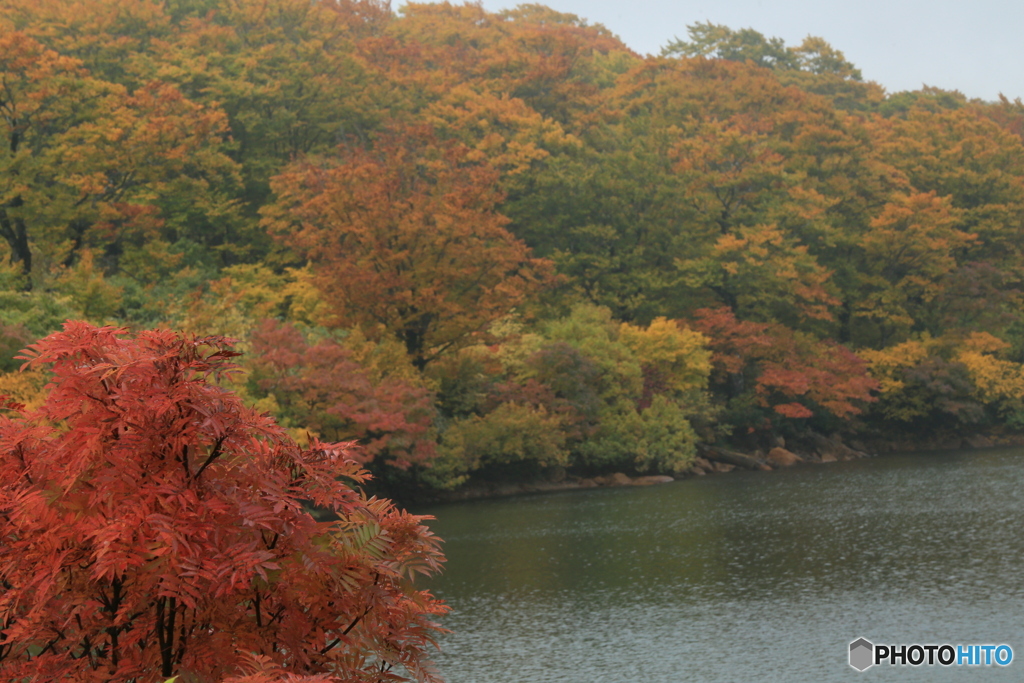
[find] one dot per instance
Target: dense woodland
(489, 246)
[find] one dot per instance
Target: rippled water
(744, 577)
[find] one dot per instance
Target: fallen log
(734, 458)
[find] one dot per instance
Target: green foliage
(462, 380)
(721, 42)
(88, 291)
(659, 438)
(592, 331)
(523, 437)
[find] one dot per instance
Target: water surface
(743, 577)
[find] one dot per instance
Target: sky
(974, 46)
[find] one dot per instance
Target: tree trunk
(16, 233)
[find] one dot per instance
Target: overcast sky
(976, 47)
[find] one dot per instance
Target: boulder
(703, 464)
(557, 474)
(723, 467)
(828, 457)
(783, 458)
(587, 483)
(618, 479)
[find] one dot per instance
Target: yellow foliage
(680, 354)
(994, 379)
(505, 131)
(514, 346)
(305, 303)
(28, 387)
(381, 358)
(248, 293)
(730, 243)
(883, 364)
(983, 342)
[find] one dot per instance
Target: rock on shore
(780, 457)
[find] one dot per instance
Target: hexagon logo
(862, 654)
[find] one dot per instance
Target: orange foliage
(406, 237)
(545, 58)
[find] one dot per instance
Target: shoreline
(714, 460)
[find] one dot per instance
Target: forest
(493, 246)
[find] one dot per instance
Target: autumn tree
(650, 388)
(554, 62)
(738, 186)
(153, 526)
(684, 160)
(813, 66)
(88, 162)
(323, 386)
(405, 237)
(908, 253)
(114, 41)
(968, 158)
(765, 371)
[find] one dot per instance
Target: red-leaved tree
(325, 389)
(792, 373)
(152, 526)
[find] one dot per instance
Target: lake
(747, 576)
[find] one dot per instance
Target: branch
(355, 621)
(214, 454)
(353, 624)
(165, 635)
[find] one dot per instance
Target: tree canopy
(492, 245)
